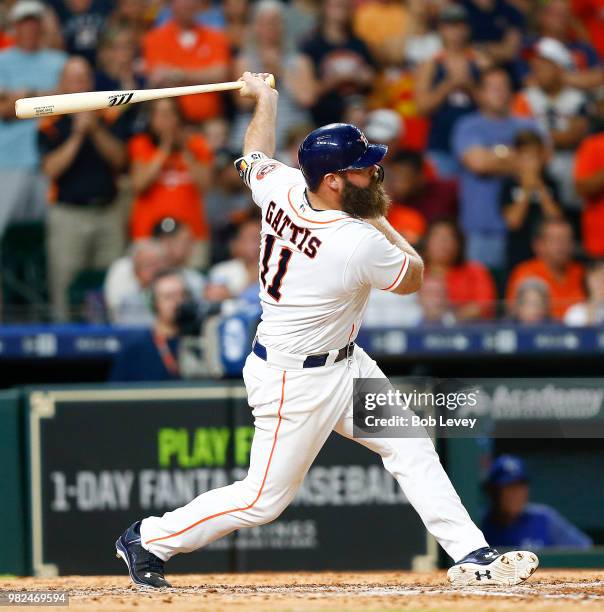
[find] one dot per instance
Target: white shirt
(578, 316)
(317, 268)
(232, 274)
(128, 303)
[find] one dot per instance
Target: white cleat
(508, 569)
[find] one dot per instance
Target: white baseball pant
(295, 410)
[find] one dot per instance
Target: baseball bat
(63, 104)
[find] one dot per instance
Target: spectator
(355, 110)
(553, 263)
(301, 18)
(225, 202)
(82, 23)
(131, 15)
(590, 312)
(333, 64)
(128, 281)
(181, 52)
(386, 127)
(117, 66)
(555, 21)
(268, 51)
(154, 355)
(511, 521)
(383, 26)
(532, 305)
(422, 41)
(527, 197)
(387, 309)
(445, 87)
(434, 302)
(410, 184)
(206, 14)
(216, 133)
(26, 69)
(293, 139)
(177, 242)
(117, 70)
(589, 179)
(482, 144)
(230, 279)
(81, 154)
(171, 169)
(560, 111)
(470, 287)
(237, 20)
(589, 12)
(496, 28)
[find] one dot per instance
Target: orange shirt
(590, 13)
(375, 21)
(198, 48)
(395, 89)
(589, 161)
(174, 194)
(407, 221)
(6, 40)
(563, 292)
(470, 283)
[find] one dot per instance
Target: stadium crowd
(493, 111)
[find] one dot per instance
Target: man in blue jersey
(512, 521)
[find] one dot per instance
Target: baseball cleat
(486, 567)
(145, 569)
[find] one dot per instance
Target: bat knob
(270, 81)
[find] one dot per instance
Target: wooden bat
(63, 104)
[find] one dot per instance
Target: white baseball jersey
(317, 268)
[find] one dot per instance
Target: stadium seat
(23, 273)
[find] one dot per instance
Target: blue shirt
(140, 360)
(539, 526)
(492, 25)
(39, 71)
(479, 194)
(456, 105)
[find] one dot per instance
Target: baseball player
(325, 244)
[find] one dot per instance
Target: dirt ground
(298, 592)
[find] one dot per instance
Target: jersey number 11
(274, 288)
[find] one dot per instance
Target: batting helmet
(336, 147)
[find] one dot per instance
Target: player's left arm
(260, 133)
(414, 274)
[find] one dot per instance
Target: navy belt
(312, 361)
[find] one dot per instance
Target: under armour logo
(148, 575)
(486, 574)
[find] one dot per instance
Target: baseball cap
(453, 13)
(25, 9)
(383, 125)
(505, 470)
(554, 51)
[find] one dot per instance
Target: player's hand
(255, 85)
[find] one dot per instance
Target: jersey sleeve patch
(244, 165)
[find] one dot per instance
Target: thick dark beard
(365, 202)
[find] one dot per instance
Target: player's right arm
(414, 274)
(384, 260)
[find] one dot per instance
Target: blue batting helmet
(336, 147)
